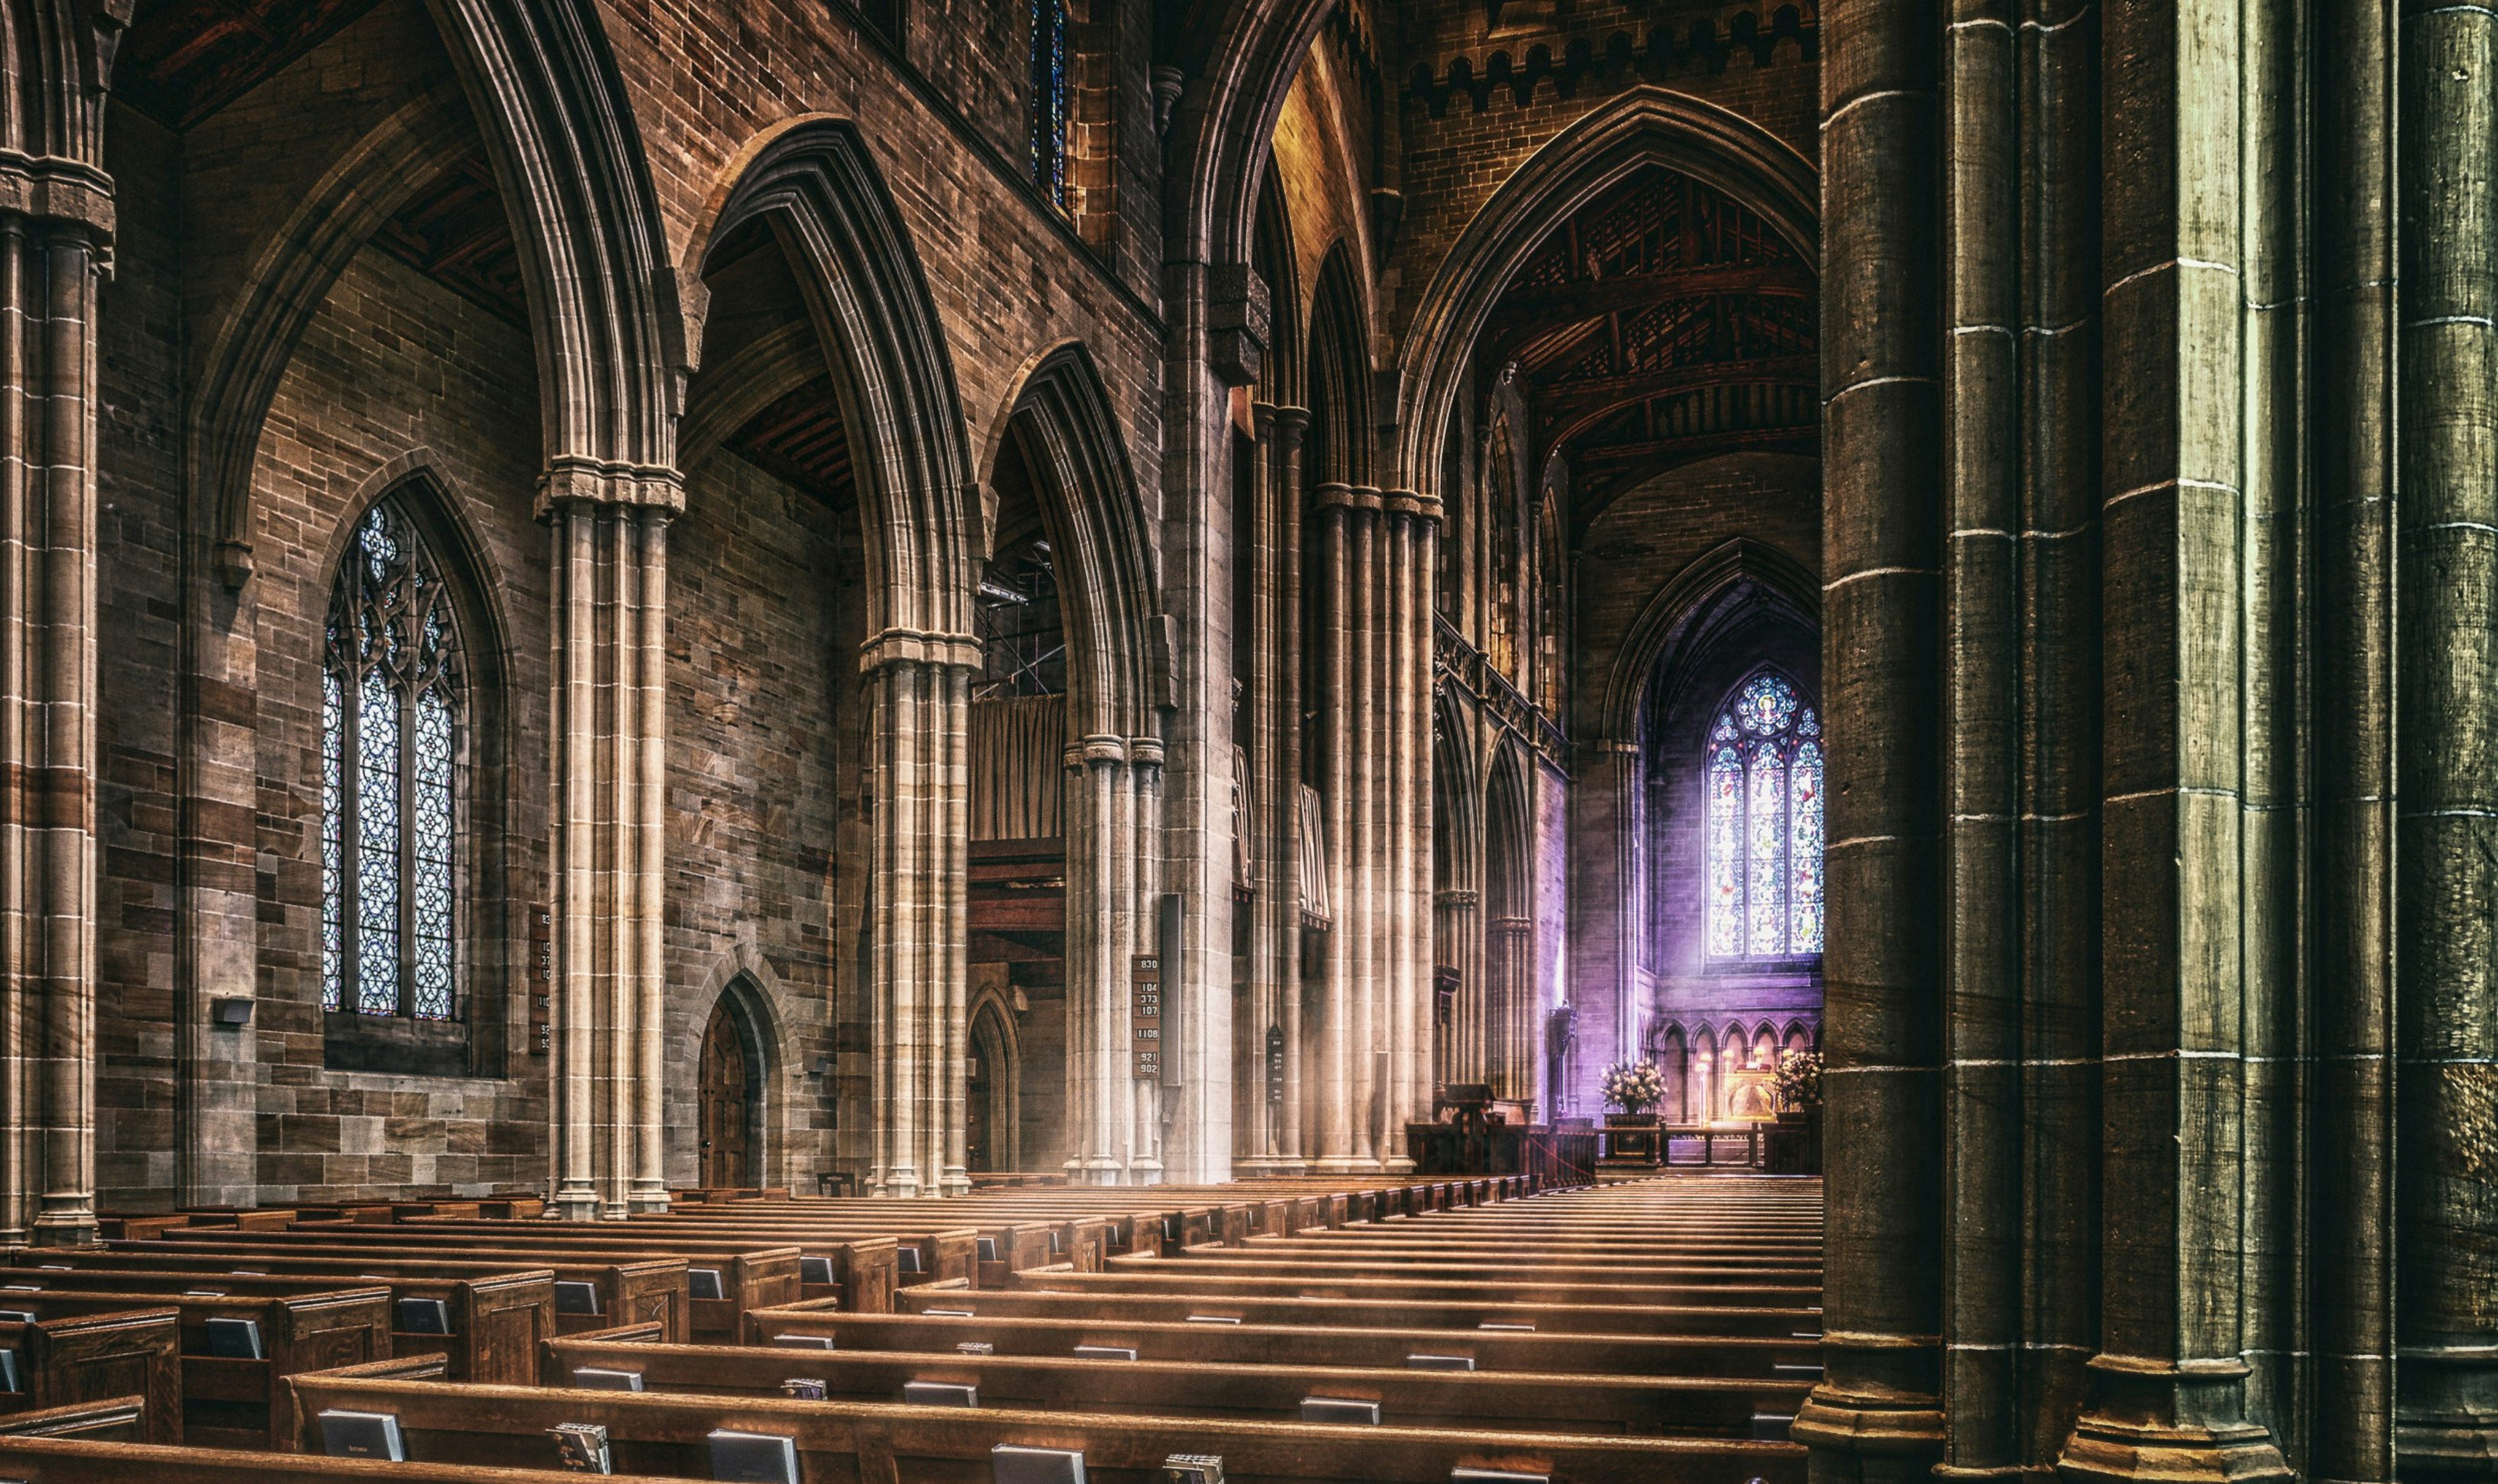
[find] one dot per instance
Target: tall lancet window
(1762, 776)
(389, 721)
(1049, 100)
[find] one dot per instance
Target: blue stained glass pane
(1726, 852)
(377, 851)
(1764, 842)
(1765, 705)
(432, 820)
(333, 840)
(1804, 914)
(1049, 94)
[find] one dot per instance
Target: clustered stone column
(56, 228)
(1457, 923)
(1113, 787)
(608, 573)
(920, 699)
(2171, 1024)
(1509, 1006)
(1271, 744)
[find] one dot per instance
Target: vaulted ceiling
(184, 59)
(454, 230)
(1662, 323)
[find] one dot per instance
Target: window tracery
(1049, 100)
(390, 708)
(1764, 830)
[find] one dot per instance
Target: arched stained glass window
(390, 709)
(1762, 773)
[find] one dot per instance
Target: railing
(1472, 671)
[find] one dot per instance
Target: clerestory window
(1762, 772)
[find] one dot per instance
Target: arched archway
(1067, 761)
(808, 191)
(993, 1109)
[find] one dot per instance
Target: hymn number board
(1145, 1015)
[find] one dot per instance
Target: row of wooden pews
(1304, 1332)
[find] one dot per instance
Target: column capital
(1417, 504)
(59, 191)
(1291, 422)
(571, 479)
(1102, 749)
(913, 646)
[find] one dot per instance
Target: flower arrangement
(1634, 1087)
(1800, 1081)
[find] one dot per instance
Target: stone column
(1516, 1050)
(608, 575)
(2355, 486)
(1398, 765)
(51, 268)
(1605, 803)
(2188, 828)
(1272, 746)
(919, 690)
(1360, 722)
(2445, 838)
(1876, 1414)
(1422, 983)
(1458, 921)
(1332, 1103)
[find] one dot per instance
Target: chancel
(1319, 741)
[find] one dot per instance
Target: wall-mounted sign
(1274, 1064)
(541, 978)
(1146, 1015)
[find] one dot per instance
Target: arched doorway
(991, 1112)
(729, 1104)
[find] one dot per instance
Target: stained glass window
(1763, 777)
(1049, 95)
(390, 704)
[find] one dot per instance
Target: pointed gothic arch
(1647, 125)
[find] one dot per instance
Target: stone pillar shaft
(1876, 1414)
(48, 277)
(2446, 835)
(1272, 749)
(608, 576)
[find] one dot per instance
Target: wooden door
(980, 1118)
(727, 1119)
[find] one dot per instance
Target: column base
(2176, 1423)
(1400, 1164)
(2445, 1422)
(1870, 1437)
(574, 1203)
(1264, 1167)
(1342, 1166)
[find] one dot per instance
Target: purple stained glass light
(1804, 848)
(1765, 844)
(1765, 705)
(1726, 852)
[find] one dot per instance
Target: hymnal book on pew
(906, 1259)
(753, 1458)
(9, 1380)
(805, 1388)
(1214, 1319)
(1495, 1476)
(976, 1347)
(945, 1313)
(1418, 1362)
(804, 1341)
(204, 1292)
(988, 1247)
(21, 1288)
(1014, 1464)
(16, 1316)
(704, 1283)
(1192, 1469)
(361, 1435)
(599, 1378)
(232, 1338)
(817, 1271)
(424, 1317)
(1105, 1353)
(939, 1394)
(581, 1447)
(1528, 1329)
(1339, 1409)
(574, 1297)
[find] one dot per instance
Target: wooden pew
(1232, 1344)
(106, 1420)
(1407, 1397)
(498, 1315)
(1731, 1290)
(68, 1458)
(752, 1275)
(77, 1359)
(220, 1400)
(1589, 1319)
(661, 1434)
